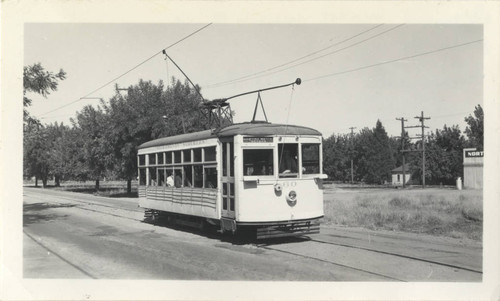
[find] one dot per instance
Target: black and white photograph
(249, 155)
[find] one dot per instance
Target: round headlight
(291, 198)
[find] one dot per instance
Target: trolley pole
(352, 164)
(421, 118)
(403, 147)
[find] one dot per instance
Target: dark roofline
(247, 128)
(399, 169)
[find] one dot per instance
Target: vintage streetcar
(254, 177)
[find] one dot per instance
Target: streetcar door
(228, 201)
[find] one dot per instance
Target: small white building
(397, 175)
(473, 168)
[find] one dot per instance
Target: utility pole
(403, 147)
(352, 164)
(421, 118)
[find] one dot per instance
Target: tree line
(101, 142)
(374, 154)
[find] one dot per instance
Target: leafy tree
(37, 80)
(91, 125)
(148, 112)
(475, 128)
(336, 161)
(62, 152)
(443, 157)
(36, 155)
(375, 156)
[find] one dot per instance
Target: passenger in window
(170, 180)
(289, 163)
(178, 181)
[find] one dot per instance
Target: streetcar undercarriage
(255, 230)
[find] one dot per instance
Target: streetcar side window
(177, 157)
(198, 176)
(142, 160)
(152, 176)
(197, 154)
(152, 159)
(168, 158)
(210, 176)
(209, 154)
(258, 162)
(160, 158)
(142, 176)
(161, 176)
(187, 156)
(310, 158)
(288, 160)
(188, 176)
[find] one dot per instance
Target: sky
(352, 74)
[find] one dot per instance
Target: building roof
(400, 169)
(248, 128)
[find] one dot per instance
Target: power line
(393, 61)
(292, 61)
(327, 54)
(128, 71)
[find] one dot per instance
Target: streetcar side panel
(195, 175)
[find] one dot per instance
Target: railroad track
(400, 255)
(269, 246)
(272, 246)
(332, 263)
(87, 202)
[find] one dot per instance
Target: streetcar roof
(254, 129)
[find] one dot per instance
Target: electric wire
(295, 60)
(394, 60)
(128, 71)
(322, 56)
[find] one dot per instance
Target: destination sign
(474, 154)
(258, 139)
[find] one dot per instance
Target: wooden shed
(473, 168)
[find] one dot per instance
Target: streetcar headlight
(277, 187)
(291, 198)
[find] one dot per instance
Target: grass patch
(440, 212)
(114, 189)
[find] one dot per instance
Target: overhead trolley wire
(295, 60)
(128, 71)
(394, 60)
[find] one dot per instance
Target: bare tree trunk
(97, 184)
(129, 186)
(36, 181)
(57, 181)
(44, 181)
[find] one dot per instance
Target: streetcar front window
(258, 162)
(310, 158)
(288, 160)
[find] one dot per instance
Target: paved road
(69, 235)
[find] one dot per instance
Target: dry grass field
(440, 212)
